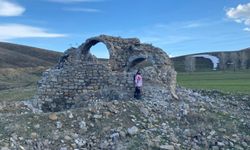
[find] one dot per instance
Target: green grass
(238, 82)
(17, 94)
(18, 84)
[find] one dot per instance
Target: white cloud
(240, 14)
(13, 31)
(247, 29)
(89, 10)
(8, 9)
(192, 25)
(184, 25)
(73, 1)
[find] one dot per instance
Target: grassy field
(238, 82)
(19, 84)
(17, 94)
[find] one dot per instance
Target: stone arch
(100, 51)
(85, 48)
(137, 61)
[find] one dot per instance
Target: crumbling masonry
(80, 76)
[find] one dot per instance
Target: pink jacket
(138, 80)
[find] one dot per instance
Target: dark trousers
(137, 93)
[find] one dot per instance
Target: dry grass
(18, 84)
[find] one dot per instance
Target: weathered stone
(244, 144)
(62, 87)
(97, 116)
(238, 147)
(67, 138)
(70, 115)
(58, 124)
(220, 144)
(167, 147)
(104, 145)
(122, 134)
(33, 135)
(215, 148)
(115, 137)
(187, 132)
(37, 126)
(212, 132)
(144, 111)
(133, 130)
(82, 124)
(80, 142)
(53, 116)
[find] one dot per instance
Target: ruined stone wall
(65, 84)
(79, 76)
(61, 88)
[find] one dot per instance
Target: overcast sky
(177, 26)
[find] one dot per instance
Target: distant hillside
(230, 60)
(19, 56)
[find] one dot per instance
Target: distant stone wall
(232, 60)
(239, 60)
(80, 76)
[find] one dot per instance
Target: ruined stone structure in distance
(80, 76)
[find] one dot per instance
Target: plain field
(228, 81)
(20, 84)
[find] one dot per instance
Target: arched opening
(204, 64)
(100, 51)
(139, 63)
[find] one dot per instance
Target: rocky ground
(198, 120)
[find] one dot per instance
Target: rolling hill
(21, 67)
(20, 56)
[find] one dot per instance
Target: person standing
(138, 85)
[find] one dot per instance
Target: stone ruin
(79, 76)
